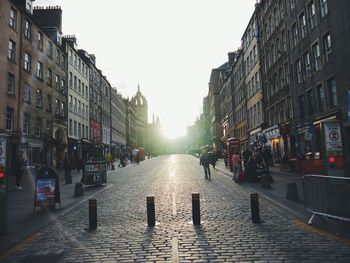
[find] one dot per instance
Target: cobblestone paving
(225, 235)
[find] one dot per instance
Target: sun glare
(173, 131)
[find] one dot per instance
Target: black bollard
(151, 214)
(265, 182)
(78, 190)
(92, 214)
(292, 192)
(254, 206)
(196, 212)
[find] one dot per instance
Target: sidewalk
(22, 220)
(277, 194)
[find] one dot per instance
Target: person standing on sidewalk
(236, 165)
(205, 161)
(18, 166)
(67, 165)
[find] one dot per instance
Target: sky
(167, 47)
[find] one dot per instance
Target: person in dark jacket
(205, 161)
(67, 165)
(251, 170)
(18, 166)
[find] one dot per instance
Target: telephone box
(232, 146)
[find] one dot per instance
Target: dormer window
(29, 6)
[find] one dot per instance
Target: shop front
(275, 142)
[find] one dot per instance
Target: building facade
(319, 57)
(239, 100)
(254, 94)
(78, 99)
(275, 69)
(106, 114)
(118, 118)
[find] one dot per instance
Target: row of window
(315, 100)
(39, 100)
(279, 112)
(75, 61)
(78, 129)
(78, 85)
(77, 107)
(38, 129)
(278, 80)
(255, 115)
(253, 85)
(309, 63)
(27, 32)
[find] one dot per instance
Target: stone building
(214, 107)
(78, 100)
(140, 105)
(118, 118)
(225, 95)
(106, 114)
(275, 69)
(253, 87)
(319, 55)
(95, 148)
(239, 100)
(10, 67)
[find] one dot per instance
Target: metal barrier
(327, 196)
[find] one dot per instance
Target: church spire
(138, 87)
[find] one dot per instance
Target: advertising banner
(45, 192)
(95, 172)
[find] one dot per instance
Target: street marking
(20, 246)
(174, 204)
(175, 250)
(319, 232)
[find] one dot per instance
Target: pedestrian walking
(67, 165)
(18, 166)
(246, 156)
(224, 156)
(205, 161)
(236, 165)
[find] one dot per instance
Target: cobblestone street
(226, 234)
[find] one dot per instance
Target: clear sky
(167, 46)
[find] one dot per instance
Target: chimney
(231, 57)
(49, 17)
(93, 58)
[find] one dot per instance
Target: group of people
(255, 164)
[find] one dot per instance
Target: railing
(327, 196)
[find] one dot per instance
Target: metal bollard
(254, 206)
(92, 214)
(196, 213)
(151, 214)
(292, 192)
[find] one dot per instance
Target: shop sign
(332, 133)
(272, 132)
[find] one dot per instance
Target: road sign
(333, 136)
